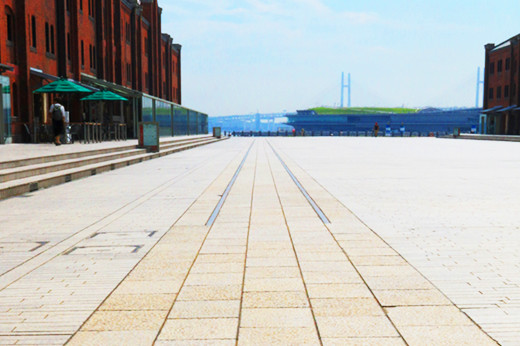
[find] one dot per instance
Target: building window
(506, 91)
(508, 64)
(499, 92)
(490, 93)
(82, 54)
(10, 27)
(513, 89)
(91, 8)
(33, 29)
(146, 81)
(128, 73)
(47, 40)
(69, 49)
(128, 35)
(499, 66)
(52, 40)
(81, 5)
(94, 57)
(68, 6)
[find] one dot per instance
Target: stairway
(30, 174)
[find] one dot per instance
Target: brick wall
(118, 41)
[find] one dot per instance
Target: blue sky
(249, 56)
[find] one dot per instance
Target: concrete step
(84, 153)
(36, 182)
(54, 166)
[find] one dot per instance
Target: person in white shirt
(57, 112)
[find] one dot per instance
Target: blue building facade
(438, 121)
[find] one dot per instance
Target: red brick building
(114, 44)
(501, 88)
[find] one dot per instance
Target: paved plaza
(331, 241)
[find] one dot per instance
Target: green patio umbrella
(62, 86)
(104, 95)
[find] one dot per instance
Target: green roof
(363, 110)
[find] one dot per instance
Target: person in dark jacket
(57, 112)
(376, 129)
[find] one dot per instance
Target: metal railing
(331, 134)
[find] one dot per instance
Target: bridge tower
(343, 86)
(479, 82)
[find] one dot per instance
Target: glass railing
(173, 119)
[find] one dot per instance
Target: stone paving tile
(125, 320)
(274, 285)
(428, 316)
(395, 341)
(113, 338)
(338, 291)
(138, 302)
(212, 342)
(278, 336)
(205, 309)
(209, 292)
(199, 329)
(355, 326)
(346, 307)
(410, 297)
(445, 335)
(297, 299)
(276, 317)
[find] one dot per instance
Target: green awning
(62, 86)
(104, 95)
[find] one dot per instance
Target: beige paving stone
(377, 260)
(387, 271)
(113, 338)
(367, 251)
(338, 291)
(271, 261)
(221, 258)
(398, 282)
(149, 287)
(150, 274)
(272, 272)
(213, 342)
(278, 336)
(394, 341)
(269, 252)
(223, 249)
(328, 266)
(445, 335)
(199, 329)
(321, 256)
(358, 326)
(274, 284)
(138, 302)
(411, 297)
(210, 292)
(234, 267)
(349, 277)
(428, 316)
(276, 317)
(346, 307)
(205, 309)
(125, 320)
(275, 300)
(204, 279)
